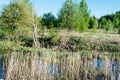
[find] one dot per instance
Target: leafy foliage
(93, 23)
(49, 20)
(110, 22)
(65, 16)
(74, 16)
(16, 14)
(83, 16)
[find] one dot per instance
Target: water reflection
(70, 68)
(1, 70)
(106, 70)
(111, 67)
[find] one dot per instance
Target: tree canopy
(74, 15)
(65, 16)
(49, 20)
(110, 21)
(16, 14)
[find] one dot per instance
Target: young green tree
(16, 15)
(93, 23)
(103, 23)
(65, 16)
(82, 16)
(110, 25)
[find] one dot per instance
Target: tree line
(73, 15)
(76, 16)
(110, 21)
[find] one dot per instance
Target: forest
(70, 46)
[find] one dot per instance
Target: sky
(97, 8)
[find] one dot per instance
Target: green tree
(65, 16)
(116, 19)
(82, 16)
(103, 23)
(110, 21)
(106, 24)
(93, 23)
(110, 25)
(49, 20)
(16, 15)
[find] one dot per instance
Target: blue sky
(97, 7)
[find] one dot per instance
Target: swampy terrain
(74, 44)
(72, 66)
(77, 58)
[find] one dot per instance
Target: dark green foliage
(117, 19)
(49, 40)
(27, 41)
(103, 23)
(49, 20)
(2, 35)
(93, 23)
(110, 22)
(119, 31)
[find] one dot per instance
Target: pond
(77, 68)
(1, 70)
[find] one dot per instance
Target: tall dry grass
(34, 66)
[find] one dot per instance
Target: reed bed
(61, 66)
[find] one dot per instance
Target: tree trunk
(35, 40)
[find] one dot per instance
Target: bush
(28, 41)
(6, 46)
(2, 35)
(49, 40)
(55, 39)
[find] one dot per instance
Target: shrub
(49, 40)
(28, 41)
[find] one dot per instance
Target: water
(111, 67)
(1, 70)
